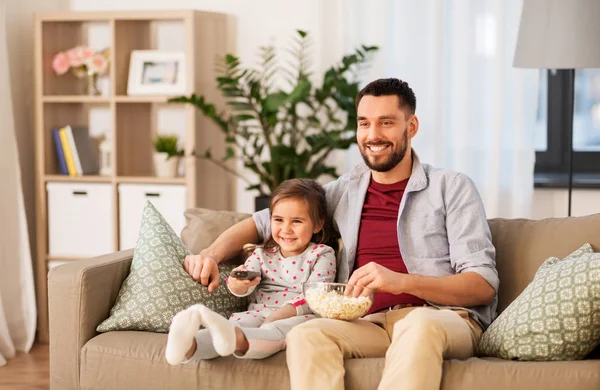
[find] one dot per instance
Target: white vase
(165, 166)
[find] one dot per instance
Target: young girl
(295, 253)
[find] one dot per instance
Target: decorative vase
(91, 87)
(262, 202)
(106, 156)
(165, 166)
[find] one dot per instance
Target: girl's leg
(186, 341)
(269, 338)
(226, 335)
(182, 332)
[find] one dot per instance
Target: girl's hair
(313, 195)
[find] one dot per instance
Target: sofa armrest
(80, 296)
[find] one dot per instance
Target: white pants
(264, 340)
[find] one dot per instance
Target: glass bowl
(338, 301)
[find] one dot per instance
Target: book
(85, 153)
(74, 152)
(60, 156)
(67, 152)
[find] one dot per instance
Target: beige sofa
(82, 293)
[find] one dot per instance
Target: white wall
(256, 23)
(273, 21)
(19, 29)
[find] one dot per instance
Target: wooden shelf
(110, 15)
(129, 122)
(142, 99)
(150, 180)
(76, 99)
(75, 179)
(59, 258)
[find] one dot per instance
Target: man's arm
(203, 267)
(231, 241)
(467, 289)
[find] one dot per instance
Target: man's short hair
(389, 87)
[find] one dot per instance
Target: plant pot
(262, 202)
(165, 166)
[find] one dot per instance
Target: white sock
(221, 330)
(182, 332)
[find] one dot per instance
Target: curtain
(17, 292)
(477, 113)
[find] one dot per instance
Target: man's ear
(412, 126)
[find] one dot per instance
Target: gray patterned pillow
(158, 287)
(556, 317)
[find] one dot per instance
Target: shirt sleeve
(322, 270)
(469, 236)
(262, 220)
(252, 263)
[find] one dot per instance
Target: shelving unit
(130, 121)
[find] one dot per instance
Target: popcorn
(331, 304)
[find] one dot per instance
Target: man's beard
(390, 162)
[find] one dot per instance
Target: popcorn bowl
(340, 301)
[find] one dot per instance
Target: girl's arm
(243, 287)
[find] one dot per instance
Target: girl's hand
(241, 286)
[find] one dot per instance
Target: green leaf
(240, 106)
(229, 153)
(253, 187)
(274, 100)
(300, 93)
(244, 117)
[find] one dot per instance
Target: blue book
(60, 155)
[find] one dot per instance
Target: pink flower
(75, 57)
(97, 64)
(60, 63)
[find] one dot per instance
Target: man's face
(382, 132)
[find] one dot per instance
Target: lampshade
(559, 34)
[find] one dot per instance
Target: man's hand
(377, 277)
(286, 311)
(203, 268)
(241, 286)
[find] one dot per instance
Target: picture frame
(156, 72)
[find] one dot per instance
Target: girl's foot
(221, 330)
(182, 334)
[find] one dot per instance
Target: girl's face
(291, 226)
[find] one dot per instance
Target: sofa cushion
(135, 361)
(557, 317)
(203, 226)
(522, 245)
(158, 287)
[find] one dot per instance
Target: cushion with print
(556, 317)
(158, 287)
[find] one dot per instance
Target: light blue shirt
(442, 226)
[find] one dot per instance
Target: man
(416, 234)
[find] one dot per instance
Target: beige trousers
(414, 340)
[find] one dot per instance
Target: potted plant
(281, 134)
(166, 155)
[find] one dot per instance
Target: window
(551, 141)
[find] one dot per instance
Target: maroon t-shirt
(378, 238)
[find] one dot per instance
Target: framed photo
(155, 72)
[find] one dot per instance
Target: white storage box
(169, 200)
(80, 219)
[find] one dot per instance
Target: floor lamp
(560, 34)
